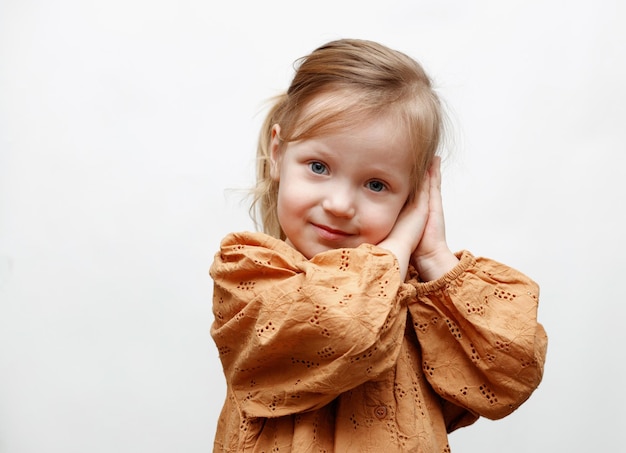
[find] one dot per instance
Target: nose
(340, 202)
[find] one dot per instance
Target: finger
(435, 172)
(420, 200)
(436, 215)
(435, 185)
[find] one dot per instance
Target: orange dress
(337, 354)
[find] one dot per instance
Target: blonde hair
(359, 80)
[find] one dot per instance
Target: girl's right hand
(409, 227)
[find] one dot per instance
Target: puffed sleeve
(482, 347)
(293, 333)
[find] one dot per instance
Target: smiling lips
(331, 234)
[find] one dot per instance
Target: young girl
(349, 325)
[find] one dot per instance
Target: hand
(408, 229)
(432, 257)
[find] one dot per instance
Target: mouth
(330, 234)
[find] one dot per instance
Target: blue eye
(376, 186)
(317, 167)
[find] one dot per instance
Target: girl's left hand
(432, 257)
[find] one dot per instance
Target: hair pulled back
(358, 80)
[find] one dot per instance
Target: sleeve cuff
(466, 261)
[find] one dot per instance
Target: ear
(275, 155)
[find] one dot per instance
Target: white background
(127, 133)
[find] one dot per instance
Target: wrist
(400, 251)
(435, 265)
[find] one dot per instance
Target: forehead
(340, 110)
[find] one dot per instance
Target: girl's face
(343, 189)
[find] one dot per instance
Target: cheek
(290, 202)
(380, 221)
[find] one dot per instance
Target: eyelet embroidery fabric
(318, 354)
